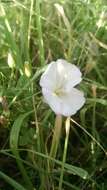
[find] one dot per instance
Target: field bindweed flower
(58, 82)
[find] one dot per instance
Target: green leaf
(35, 76)
(77, 171)
(68, 167)
(14, 138)
(11, 181)
(98, 100)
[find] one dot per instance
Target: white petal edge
(53, 101)
(66, 105)
(60, 72)
(48, 78)
(72, 102)
(71, 72)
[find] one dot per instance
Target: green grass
(34, 33)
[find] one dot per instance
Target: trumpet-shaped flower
(58, 83)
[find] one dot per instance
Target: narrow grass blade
(11, 181)
(67, 167)
(14, 136)
(40, 36)
(11, 41)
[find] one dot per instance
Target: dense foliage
(32, 34)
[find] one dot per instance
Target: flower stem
(67, 128)
(56, 137)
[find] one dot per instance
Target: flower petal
(60, 74)
(66, 105)
(57, 84)
(72, 102)
(49, 77)
(70, 72)
(52, 100)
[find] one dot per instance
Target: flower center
(59, 92)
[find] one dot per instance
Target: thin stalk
(36, 121)
(40, 36)
(28, 66)
(94, 133)
(25, 35)
(91, 136)
(93, 146)
(56, 137)
(67, 128)
(11, 78)
(37, 134)
(30, 20)
(41, 163)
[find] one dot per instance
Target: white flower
(58, 83)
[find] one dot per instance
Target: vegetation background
(32, 34)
